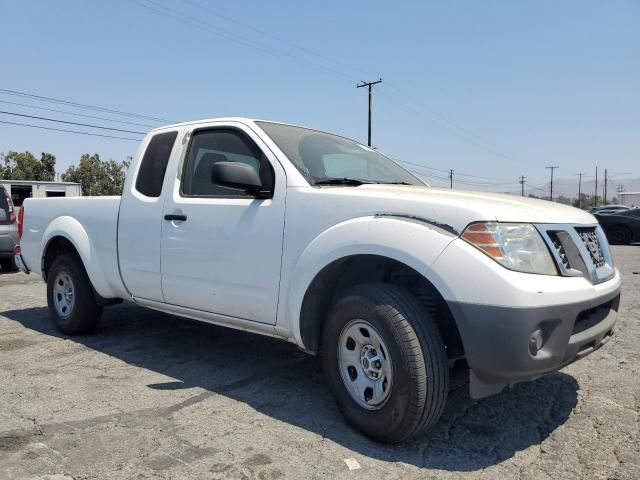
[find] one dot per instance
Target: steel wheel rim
(63, 294)
(365, 366)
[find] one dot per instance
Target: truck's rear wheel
(385, 360)
(72, 304)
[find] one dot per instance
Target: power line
(420, 165)
(463, 182)
(422, 174)
(71, 123)
(447, 181)
(66, 112)
(461, 132)
(82, 105)
(496, 181)
(184, 18)
(455, 131)
(271, 36)
(485, 178)
(68, 131)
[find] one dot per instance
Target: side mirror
(237, 175)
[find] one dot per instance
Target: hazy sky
(495, 89)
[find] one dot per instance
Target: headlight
(516, 246)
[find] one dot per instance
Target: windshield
(325, 159)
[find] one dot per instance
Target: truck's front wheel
(385, 360)
(72, 304)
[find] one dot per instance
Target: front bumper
(504, 345)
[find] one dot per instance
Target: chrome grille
(579, 250)
(559, 248)
(590, 240)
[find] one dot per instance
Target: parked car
(8, 231)
(622, 227)
(609, 209)
(326, 243)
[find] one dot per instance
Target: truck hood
(458, 208)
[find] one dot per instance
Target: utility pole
(595, 194)
(522, 182)
(605, 186)
(552, 169)
(369, 85)
(579, 189)
(451, 178)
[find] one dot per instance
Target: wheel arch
(67, 235)
(345, 272)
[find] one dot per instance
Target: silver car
(8, 231)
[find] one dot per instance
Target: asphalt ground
(151, 395)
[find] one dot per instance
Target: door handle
(175, 216)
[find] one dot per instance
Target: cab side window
(154, 164)
(221, 145)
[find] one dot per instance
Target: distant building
(21, 189)
(630, 199)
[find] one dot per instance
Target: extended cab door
(140, 217)
(221, 247)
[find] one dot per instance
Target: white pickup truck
(318, 240)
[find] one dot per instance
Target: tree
(25, 166)
(48, 166)
(97, 177)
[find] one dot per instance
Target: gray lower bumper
(505, 345)
(7, 242)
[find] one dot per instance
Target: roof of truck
(244, 120)
(207, 120)
(237, 119)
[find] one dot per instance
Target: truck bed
(93, 221)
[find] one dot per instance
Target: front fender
(72, 230)
(410, 241)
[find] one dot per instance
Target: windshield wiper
(341, 181)
(394, 183)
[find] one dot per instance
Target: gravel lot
(151, 395)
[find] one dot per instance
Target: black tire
(84, 314)
(418, 362)
(619, 235)
(8, 264)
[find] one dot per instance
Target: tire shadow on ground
(286, 384)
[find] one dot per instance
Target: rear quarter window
(154, 164)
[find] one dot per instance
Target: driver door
(222, 248)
